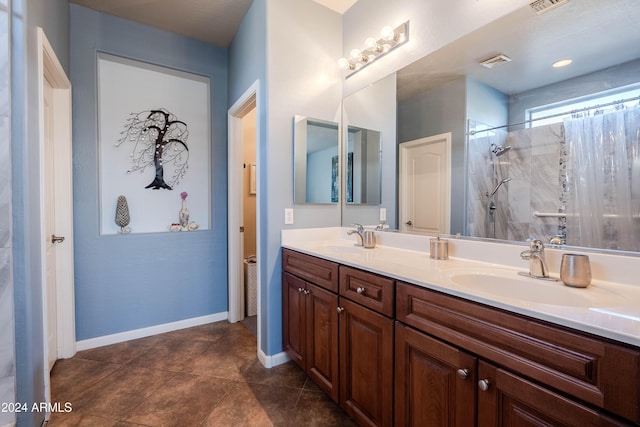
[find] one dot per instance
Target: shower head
(490, 194)
(499, 150)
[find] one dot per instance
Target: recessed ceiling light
(562, 63)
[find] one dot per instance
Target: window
(601, 101)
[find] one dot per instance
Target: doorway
(56, 201)
(244, 206)
(425, 185)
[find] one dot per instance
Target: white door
(425, 185)
(50, 223)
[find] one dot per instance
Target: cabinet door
(435, 383)
(293, 318)
(510, 400)
(366, 365)
(322, 339)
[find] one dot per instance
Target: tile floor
(203, 376)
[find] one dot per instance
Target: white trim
(250, 99)
(9, 425)
(274, 360)
(151, 330)
(245, 103)
(49, 68)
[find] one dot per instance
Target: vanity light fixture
(390, 38)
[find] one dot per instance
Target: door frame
(49, 67)
(249, 100)
(403, 149)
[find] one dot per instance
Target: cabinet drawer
(591, 369)
(368, 289)
(316, 270)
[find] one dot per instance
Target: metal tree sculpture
(159, 139)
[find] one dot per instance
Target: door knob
(483, 385)
(409, 223)
(56, 239)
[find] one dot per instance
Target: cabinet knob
(340, 310)
(360, 290)
(306, 291)
(483, 384)
(463, 373)
(300, 290)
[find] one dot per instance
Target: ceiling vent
(544, 6)
(495, 61)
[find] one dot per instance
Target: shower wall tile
(7, 367)
(5, 184)
(546, 139)
(4, 63)
(7, 393)
(533, 164)
(518, 231)
(519, 201)
(7, 352)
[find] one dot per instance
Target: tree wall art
(154, 139)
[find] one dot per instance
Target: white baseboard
(274, 360)
(9, 425)
(151, 330)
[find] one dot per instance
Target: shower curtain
(603, 180)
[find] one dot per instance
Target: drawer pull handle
(360, 290)
(463, 373)
(483, 385)
(340, 310)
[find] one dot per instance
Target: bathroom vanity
(397, 343)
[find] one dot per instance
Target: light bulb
(345, 64)
(371, 43)
(356, 54)
(387, 33)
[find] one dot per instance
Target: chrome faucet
(359, 231)
(537, 263)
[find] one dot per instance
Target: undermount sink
(508, 284)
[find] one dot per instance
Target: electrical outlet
(383, 214)
(288, 216)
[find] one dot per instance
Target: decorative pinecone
(122, 213)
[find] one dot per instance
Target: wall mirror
(362, 166)
(513, 174)
(316, 164)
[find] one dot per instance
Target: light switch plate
(288, 216)
(383, 214)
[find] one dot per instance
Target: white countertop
(608, 309)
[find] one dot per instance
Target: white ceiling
(595, 34)
(211, 21)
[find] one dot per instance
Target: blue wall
(127, 282)
(248, 63)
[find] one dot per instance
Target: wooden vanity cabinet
(532, 366)
(310, 321)
(509, 400)
(435, 383)
(366, 346)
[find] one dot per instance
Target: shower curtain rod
(579, 110)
